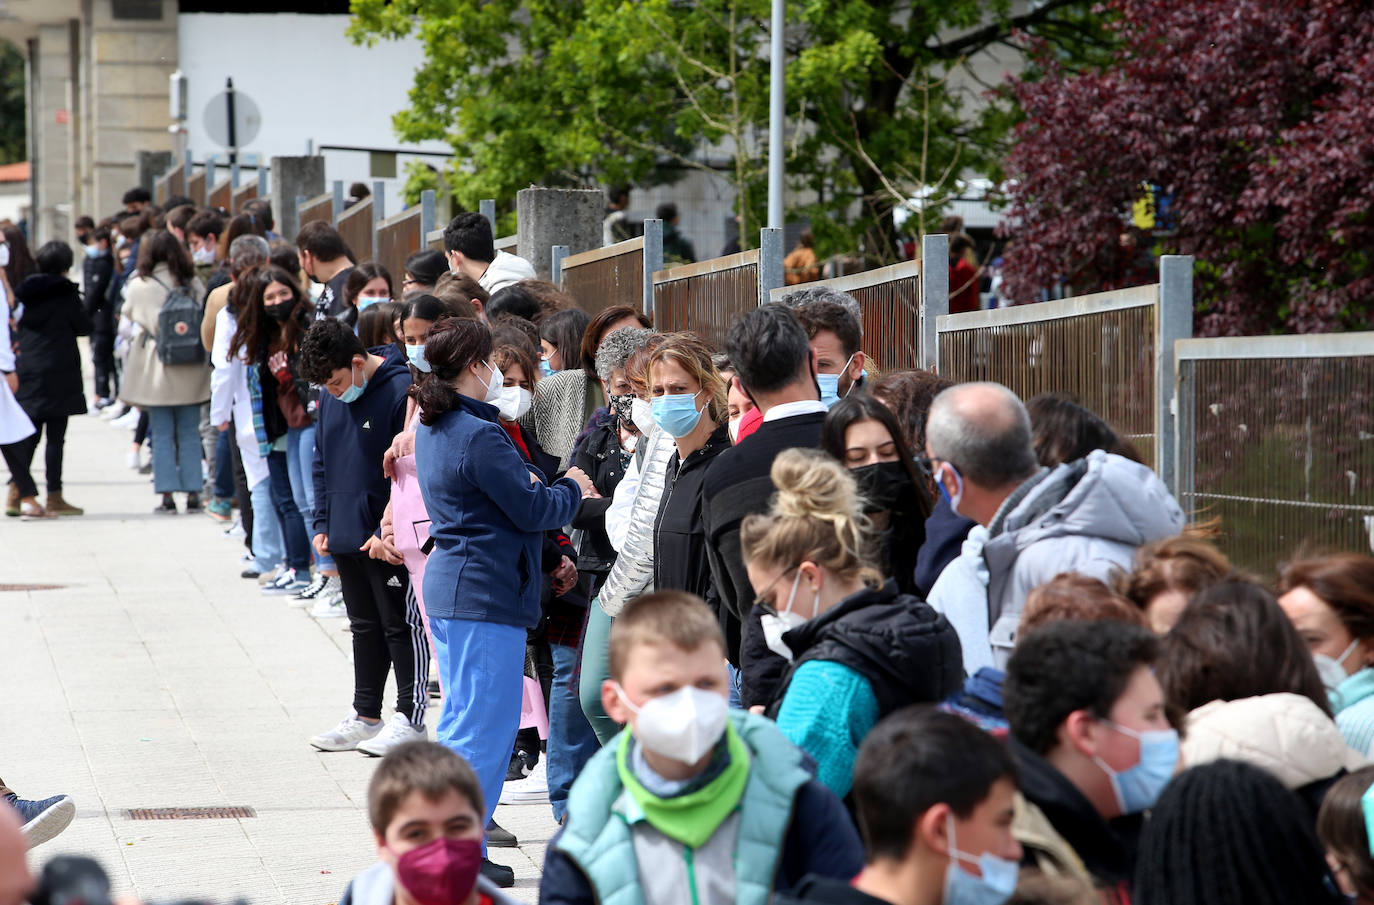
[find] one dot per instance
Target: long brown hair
(1342, 828)
(451, 347)
(258, 335)
(161, 247)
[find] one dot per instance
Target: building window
(137, 9)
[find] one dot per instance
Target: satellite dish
(247, 119)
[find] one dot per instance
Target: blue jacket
(790, 826)
(945, 533)
(487, 519)
(351, 492)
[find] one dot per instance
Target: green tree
(12, 105)
(577, 91)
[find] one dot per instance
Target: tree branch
(980, 38)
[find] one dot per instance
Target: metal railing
(619, 274)
(355, 226)
(707, 297)
(1111, 351)
(195, 186)
(402, 235)
(321, 207)
(221, 195)
(170, 184)
(244, 194)
(1276, 439)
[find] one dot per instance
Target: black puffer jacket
(599, 456)
(49, 363)
(909, 653)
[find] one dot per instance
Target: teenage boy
(425, 805)
(1094, 747)
(326, 259)
(364, 408)
(471, 250)
(934, 796)
(97, 269)
(693, 802)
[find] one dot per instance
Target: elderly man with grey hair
(1088, 516)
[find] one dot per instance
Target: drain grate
(189, 813)
(31, 587)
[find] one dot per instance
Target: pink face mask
(443, 872)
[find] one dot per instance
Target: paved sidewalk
(155, 677)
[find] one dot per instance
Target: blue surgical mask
(1138, 788)
(677, 413)
(994, 887)
(830, 385)
(353, 392)
(92, 251)
(958, 487)
(367, 301)
(415, 354)
(545, 370)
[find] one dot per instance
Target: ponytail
(452, 346)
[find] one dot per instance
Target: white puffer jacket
(1286, 734)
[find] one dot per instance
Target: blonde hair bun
(810, 484)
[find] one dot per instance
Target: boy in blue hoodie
(365, 408)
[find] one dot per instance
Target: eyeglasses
(762, 600)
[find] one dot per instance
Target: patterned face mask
(620, 405)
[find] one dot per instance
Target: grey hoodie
(1087, 516)
(504, 270)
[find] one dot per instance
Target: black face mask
(885, 486)
(280, 313)
(620, 405)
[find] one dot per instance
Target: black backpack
(178, 327)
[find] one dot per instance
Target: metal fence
(1112, 351)
(321, 207)
(707, 297)
(402, 235)
(619, 274)
(244, 194)
(195, 187)
(221, 195)
(1276, 439)
(355, 226)
(170, 184)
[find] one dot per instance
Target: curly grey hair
(617, 347)
(800, 298)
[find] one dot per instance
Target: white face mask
(1332, 669)
(775, 626)
(514, 402)
(734, 428)
(4, 254)
(493, 394)
(204, 255)
(683, 726)
(642, 414)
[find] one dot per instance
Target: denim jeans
(571, 739)
(481, 727)
(288, 516)
(596, 668)
(176, 448)
(224, 466)
(268, 549)
(300, 465)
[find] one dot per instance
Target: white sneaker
(131, 460)
(128, 419)
(329, 607)
(398, 729)
(115, 411)
(235, 531)
(288, 584)
(346, 735)
(533, 789)
(321, 584)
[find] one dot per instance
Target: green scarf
(692, 818)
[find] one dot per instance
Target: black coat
(95, 282)
(907, 651)
(49, 363)
(599, 456)
(679, 534)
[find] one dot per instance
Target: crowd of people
(755, 622)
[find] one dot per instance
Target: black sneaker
(499, 837)
(192, 502)
(168, 506)
(44, 819)
(433, 689)
(502, 876)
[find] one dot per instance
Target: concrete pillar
(129, 62)
(292, 178)
(149, 165)
(49, 92)
(548, 217)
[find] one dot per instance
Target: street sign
(247, 120)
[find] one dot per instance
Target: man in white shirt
(470, 248)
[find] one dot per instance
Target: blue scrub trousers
(483, 666)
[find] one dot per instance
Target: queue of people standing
(763, 621)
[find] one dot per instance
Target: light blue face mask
(995, 886)
(415, 354)
(1138, 788)
(365, 302)
(92, 251)
(677, 413)
(353, 392)
(830, 385)
(545, 370)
